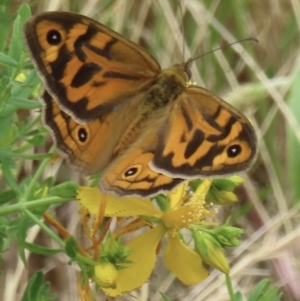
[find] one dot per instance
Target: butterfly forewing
(88, 68)
(211, 138)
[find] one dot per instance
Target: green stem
(85, 260)
(230, 288)
(23, 148)
(35, 178)
(95, 180)
(56, 238)
(33, 156)
(45, 228)
(27, 128)
(20, 207)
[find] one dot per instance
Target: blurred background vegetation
(261, 79)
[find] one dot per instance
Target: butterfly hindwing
(130, 172)
(91, 146)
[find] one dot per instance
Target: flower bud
(105, 275)
(210, 251)
(227, 236)
(65, 190)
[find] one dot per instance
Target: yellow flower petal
(90, 198)
(203, 188)
(176, 196)
(128, 206)
(143, 258)
(183, 262)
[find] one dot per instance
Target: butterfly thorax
(165, 89)
(168, 85)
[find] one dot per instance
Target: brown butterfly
(111, 108)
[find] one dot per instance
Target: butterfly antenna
(189, 61)
(182, 29)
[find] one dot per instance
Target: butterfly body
(111, 108)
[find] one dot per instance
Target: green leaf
(238, 296)
(33, 287)
(4, 240)
(7, 60)
(26, 104)
(16, 44)
(7, 110)
(4, 81)
(38, 140)
(24, 89)
(6, 137)
(21, 236)
(25, 13)
(33, 156)
(7, 165)
(263, 291)
(36, 290)
(293, 145)
(71, 247)
(165, 297)
(5, 152)
(65, 190)
(37, 249)
(7, 196)
(8, 129)
(228, 184)
(5, 18)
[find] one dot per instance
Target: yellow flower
(182, 261)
